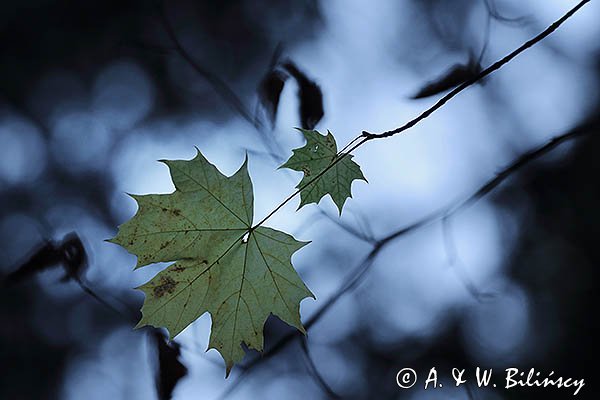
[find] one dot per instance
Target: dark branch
(495, 66)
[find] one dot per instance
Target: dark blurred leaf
(269, 92)
(170, 369)
(309, 95)
(70, 253)
(456, 75)
(44, 257)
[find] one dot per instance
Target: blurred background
(93, 93)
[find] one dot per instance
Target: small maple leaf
(317, 155)
(238, 273)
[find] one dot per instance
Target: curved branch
(495, 66)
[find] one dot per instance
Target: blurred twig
(364, 236)
(126, 315)
(314, 372)
(490, 6)
(486, 38)
(220, 87)
(455, 263)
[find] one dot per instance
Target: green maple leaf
(318, 153)
(223, 266)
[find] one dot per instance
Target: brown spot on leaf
(306, 171)
(167, 285)
(178, 268)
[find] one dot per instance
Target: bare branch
(495, 66)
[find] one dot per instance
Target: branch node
(367, 135)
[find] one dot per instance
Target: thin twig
(495, 66)
(350, 229)
(363, 223)
(91, 293)
(314, 372)
(486, 38)
(131, 318)
(493, 13)
(219, 86)
(457, 266)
